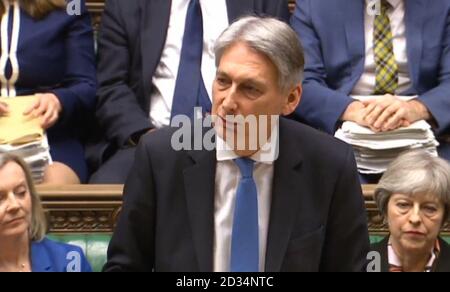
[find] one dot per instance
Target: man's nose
(229, 103)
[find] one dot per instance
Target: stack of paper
(22, 135)
(375, 151)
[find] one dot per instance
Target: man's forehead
(241, 75)
(234, 62)
(243, 51)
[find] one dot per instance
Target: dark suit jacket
(131, 41)
(317, 220)
(333, 38)
(442, 264)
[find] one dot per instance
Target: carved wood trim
(81, 209)
(95, 209)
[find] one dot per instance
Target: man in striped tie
(365, 59)
(273, 195)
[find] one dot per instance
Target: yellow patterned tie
(386, 66)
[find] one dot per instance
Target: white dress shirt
(226, 183)
(215, 21)
(366, 84)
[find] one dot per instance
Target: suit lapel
(237, 8)
(353, 15)
(382, 248)
(443, 261)
(155, 22)
(199, 181)
(414, 34)
(286, 195)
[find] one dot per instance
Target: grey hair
(38, 224)
(415, 173)
(271, 37)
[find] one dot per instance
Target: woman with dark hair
(23, 246)
(414, 197)
(48, 52)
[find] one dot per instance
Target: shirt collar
(394, 260)
(224, 153)
(394, 3)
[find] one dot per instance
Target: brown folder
(16, 128)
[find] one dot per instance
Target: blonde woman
(23, 245)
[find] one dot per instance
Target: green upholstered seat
(95, 245)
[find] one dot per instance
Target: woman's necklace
(18, 268)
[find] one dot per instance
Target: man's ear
(293, 100)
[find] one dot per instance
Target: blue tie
(190, 89)
(245, 237)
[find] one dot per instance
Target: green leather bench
(96, 245)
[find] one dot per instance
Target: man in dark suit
(295, 205)
(148, 68)
(378, 50)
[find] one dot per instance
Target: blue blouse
(51, 256)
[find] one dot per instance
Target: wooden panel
(94, 208)
(98, 5)
(82, 208)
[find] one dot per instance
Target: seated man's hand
(47, 108)
(356, 112)
(3, 109)
(389, 113)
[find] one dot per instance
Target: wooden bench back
(95, 208)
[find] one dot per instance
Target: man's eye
(222, 81)
(252, 90)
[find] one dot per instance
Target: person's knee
(60, 174)
(116, 169)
